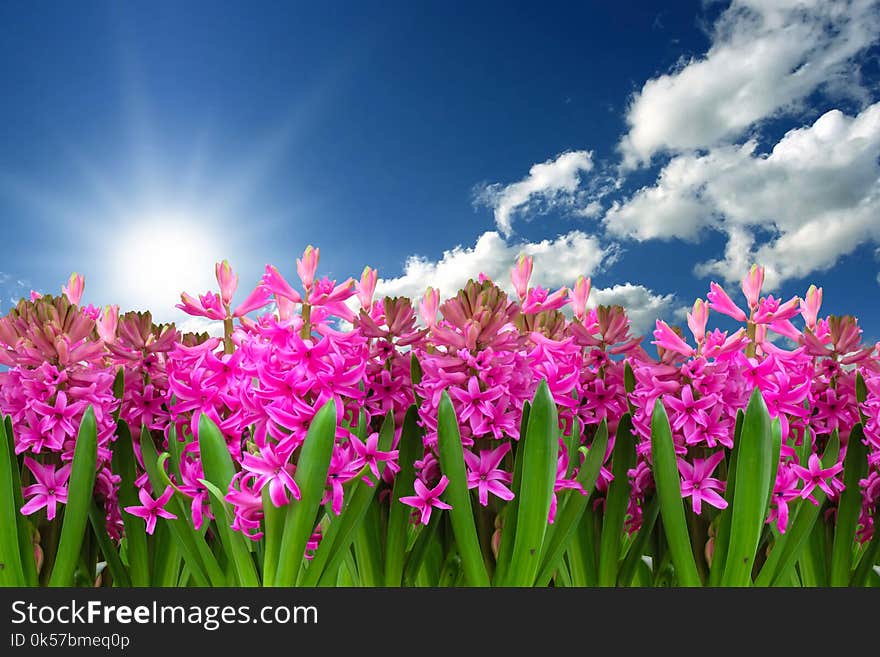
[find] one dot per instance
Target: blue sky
(653, 146)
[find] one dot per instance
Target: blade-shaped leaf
(855, 468)
(79, 501)
(457, 494)
(540, 449)
(754, 468)
(668, 483)
(311, 478)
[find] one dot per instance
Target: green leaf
(125, 466)
(540, 451)
(668, 483)
(754, 469)
(416, 556)
(79, 501)
(311, 478)
(572, 510)
(722, 534)
(508, 531)
(25, 530)
(219, 470)
(273, 526)
(203, 566)
(11, 569)
(461, 515)
(410, 449)
(787, 547)
(855, 468)
(616, 502)
(868, 558)
(338, 538)
(117, 569)
(630, 565)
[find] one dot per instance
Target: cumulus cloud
(558, 262)
(643, 306)
(766, 57)
(550, 184)
(816, 194)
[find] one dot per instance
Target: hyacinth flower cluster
(330, 436)
(807, 377)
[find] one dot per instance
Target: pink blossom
(227, 280)
(485, 476)
(150, 509)
(427, 499)
(520, 275)
(74, 289)
(50, 488)
(698, 484)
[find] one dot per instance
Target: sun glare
(162, 255)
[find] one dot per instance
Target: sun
(158, 255)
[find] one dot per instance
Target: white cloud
(817, 194)
(549, 184)
(766, 57)
(200, 325)
(558, 262)
(643, 307)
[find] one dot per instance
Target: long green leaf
(11, 569)
(787, 547)
(219, 470)
(196, 553)
(629, 567)
(79, 501)
(668, 483)
(722, 533)
(336, 542)
(540, 451)
(754, 468)
(461, 515)
(311, 478)
(623, 459)
(508, 531)
(25, 530)
(409, 450)
(855, 468)
(574, 506)
(125, 466)
(117, 569)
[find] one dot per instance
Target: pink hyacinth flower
(76, 284)
(697, 320)
(810, 306)
(485, 476)
(718, 300)
(428, 307)
(227, 280)
(207, 305)
(107, 323)
(427, 499)
(814, 476)
(257, 299)
(752, 284)
(579, 296)
(698, 484)
(50, 489)
(366, 287)
(665, 337)
(307, 266)
(150, 509)
(520, 275)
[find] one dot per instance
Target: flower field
(333, 439)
